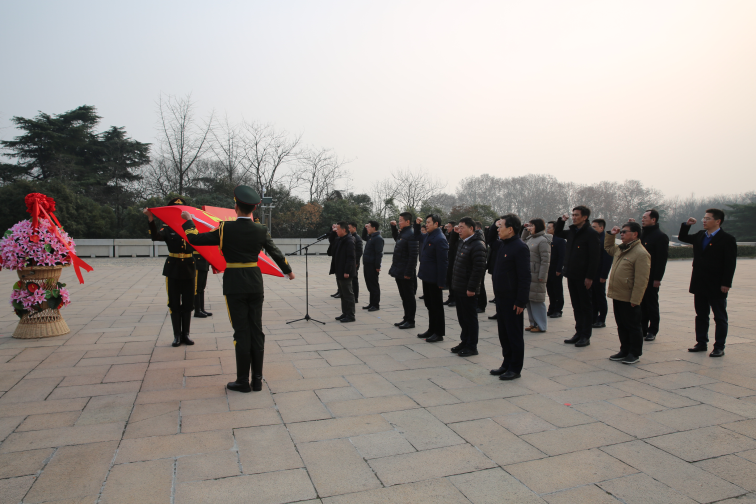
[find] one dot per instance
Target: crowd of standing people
(528, 262)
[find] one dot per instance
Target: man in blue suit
(434, 262)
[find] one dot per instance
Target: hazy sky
(660, 91)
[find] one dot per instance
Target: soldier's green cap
(177, 201)
(246, 195)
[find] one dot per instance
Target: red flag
(205, 221)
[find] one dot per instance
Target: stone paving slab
(365, 412)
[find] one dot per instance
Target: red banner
(205, 220)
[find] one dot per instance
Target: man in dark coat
(715, 254)
(511, 284)
(372, 257)
(452, 236)
(434, 262)
(180, 277)
(332, 239)
(554, 284)
(492, 235)
(598, 289)
(656, 244)
(483, 295)
(241, 242)
(469, 269)
(581, 262)
(357, 255)
(343, 266)
(404, 267)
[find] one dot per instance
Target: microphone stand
(306, 248)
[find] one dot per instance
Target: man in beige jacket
(627, 284)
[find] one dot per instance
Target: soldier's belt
(180, 256)
(241, 265)
(196, 253)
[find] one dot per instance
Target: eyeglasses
(623, 232)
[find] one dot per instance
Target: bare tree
(267, 155)
(228, 147)
(413, 187)
(319, 171)
(181, 142)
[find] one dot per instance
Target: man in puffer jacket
(627, 285)
(404, 267)
(469, 269)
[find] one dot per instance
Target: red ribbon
(37, 204)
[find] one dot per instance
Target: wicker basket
(48, 322)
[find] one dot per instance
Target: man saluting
(240, 242)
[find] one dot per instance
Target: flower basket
(38, 249)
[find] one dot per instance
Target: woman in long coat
(539, 242)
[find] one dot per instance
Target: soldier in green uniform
(180, 274)
(241, 241)
(203, 267)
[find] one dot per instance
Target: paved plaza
(364, 412)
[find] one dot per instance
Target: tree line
(102, 179)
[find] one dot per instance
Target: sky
(660, 91)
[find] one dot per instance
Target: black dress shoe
(434, 338)
(493, 301)
(335, 295)
(424, 335)
(239, 387)
(717, 352)
(373, 308)
(599, 325)
(494, 316)
(499, 371)
(650, 337)
(176, 340)
(583, 342)
(340, 317)
(697, 348)
(199, 314)
(467, 352)
(556, 314)
(256, 383)
(421, 297)
(407, 325)
(397, 324)
(446, 303)
(618, 356)
(456, 348)
(347, 319)
(573, 340)
(509, 375)
(452, 304)
(480, 310)
(367, 307)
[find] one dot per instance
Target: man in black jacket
(554, 284)
(332, 239)
(656, 244)
(343, 266)
(492, 235)
(452, 236)
(469, 269)
(714, 257)
(483, 295)
(581, 263)
(511, 284)
(372, 257)
(434, 262)
(357, 256)
(598, 289)
(404, 267)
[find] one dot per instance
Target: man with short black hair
(511, 284)
(656, 243)
(404, 267)
(715, 255)
(469, 269)
(343, 266)
(598, 289)
(372, 257)
(581, 263)
(357, 255)
(627, 284)
(483, 296)
(452, 236)
(434, 261)
(554, 284)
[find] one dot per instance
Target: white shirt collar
(240, 217)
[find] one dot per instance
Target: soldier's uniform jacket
(240, 241)
(200, 262)
(180, 262)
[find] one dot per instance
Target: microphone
(322, 236)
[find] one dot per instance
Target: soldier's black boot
(257, 367)
(176, 323)
(242, 372)
(186, 319)
(202, 304)
(198, 313)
